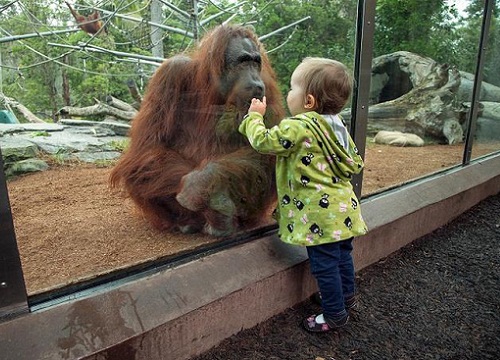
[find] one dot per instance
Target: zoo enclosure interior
(394, 101)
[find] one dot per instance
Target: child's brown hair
(329, 81)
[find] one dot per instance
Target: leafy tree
(42, 84)
(470, 33)
(327, 33)
(422, 27)
(28, 60)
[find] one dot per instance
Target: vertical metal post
(195, 19)
(156, 36)
(365, 28)
(478, 80)
(13, 296)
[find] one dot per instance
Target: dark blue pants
(333, 267)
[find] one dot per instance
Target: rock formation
(414, 94)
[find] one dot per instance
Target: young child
(316, 159)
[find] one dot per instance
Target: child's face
(296, 96)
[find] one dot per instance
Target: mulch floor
(437, 298)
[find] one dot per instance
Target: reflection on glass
(417, 114)
(487, 136)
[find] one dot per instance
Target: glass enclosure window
(70, 226)
(417, 114)
(487, 135)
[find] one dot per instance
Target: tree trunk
(132, 86)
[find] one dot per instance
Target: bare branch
(215, 16)
(264, 37)
(140, 20)
(102, 50)
(176, 9)
(27, 36)
(119, 104)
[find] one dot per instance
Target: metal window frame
(13, 295)
(478, 80)
(365, 29)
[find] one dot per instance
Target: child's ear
(310, 102)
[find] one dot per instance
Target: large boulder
(488, 92)
(26, 166)
(414, 94)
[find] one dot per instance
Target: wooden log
(119, 104)
(97, 109)
(27, 114)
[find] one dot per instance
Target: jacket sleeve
(278, 140)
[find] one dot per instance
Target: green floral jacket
(316, 201)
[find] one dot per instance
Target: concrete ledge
(180, 311)
(183, 311)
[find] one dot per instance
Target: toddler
(316, 158)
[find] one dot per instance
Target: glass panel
(70, 226)
(422, 51)
(487, 136)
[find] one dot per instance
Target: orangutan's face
(241, 80)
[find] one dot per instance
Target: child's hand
(258, 106)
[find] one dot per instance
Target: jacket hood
(344, 163)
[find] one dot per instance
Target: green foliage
(90, 87)
(104, 163)
(469, 34)
(119, 145)
(40, 133)
(326, 34)
(422, 27)
(491, 73)
(60, 157)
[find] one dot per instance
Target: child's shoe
(320, 324)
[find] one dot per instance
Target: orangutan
(91, 24)
(187, 167)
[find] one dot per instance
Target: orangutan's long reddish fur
(175, 132)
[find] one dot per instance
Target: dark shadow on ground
(437, 298)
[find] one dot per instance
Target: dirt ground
(437, 298)
(70, 226)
